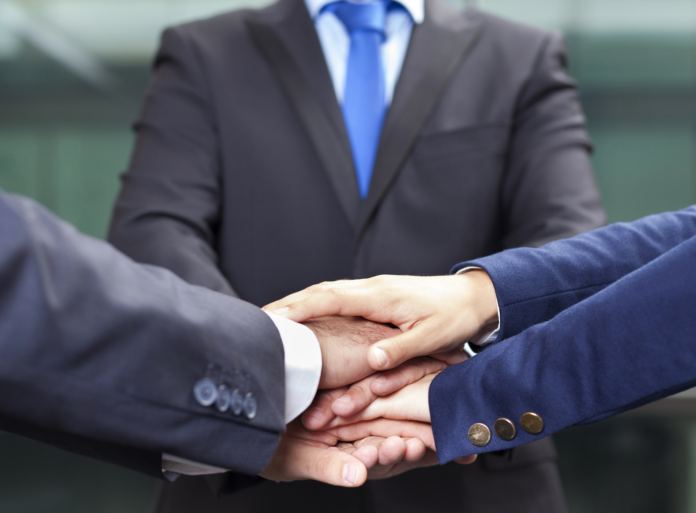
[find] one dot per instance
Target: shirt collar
(414, 7)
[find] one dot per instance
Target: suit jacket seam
(551, 294)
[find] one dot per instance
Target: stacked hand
(376, 378)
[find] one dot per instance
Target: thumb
(333, 467)
(297, 459)
(418, 341)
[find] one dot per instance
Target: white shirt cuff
(302, 365)
(489, 333)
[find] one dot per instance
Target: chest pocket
(471, 143)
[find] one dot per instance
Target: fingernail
(381, 379)
(282, 311)
(350, 473)
(315, 412)
(380, 356)
(344, 399)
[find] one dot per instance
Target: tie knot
(361, 17)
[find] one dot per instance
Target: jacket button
(479, 435)
(237, 403)
(505, 429)
(532, 423)
(250, 406)
(224, 399)
(205, 392)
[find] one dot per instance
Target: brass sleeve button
(479, 435)
(532, 423)
(505, 429)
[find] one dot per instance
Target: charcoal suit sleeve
(549, 191)
(534, 285)
(169, 206)
(100, 355)
(628, 344)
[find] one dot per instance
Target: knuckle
(321, 286)
(335, 292)
(396, 348)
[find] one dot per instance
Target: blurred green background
(73, 72)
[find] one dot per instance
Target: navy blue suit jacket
(590, 327)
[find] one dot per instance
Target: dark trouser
(525, 481)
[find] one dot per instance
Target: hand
(409, 403)
(344, 342)
(436, 314)
(386, 427)
(347, 401)
(303, 454)
(392, 456)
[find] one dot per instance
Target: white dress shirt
(335, 42)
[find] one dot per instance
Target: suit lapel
(288, 40)
(437, 47)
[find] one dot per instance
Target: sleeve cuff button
(205, 392)
(237, 402)
(250, 406)
(479, 435)
(532, 423)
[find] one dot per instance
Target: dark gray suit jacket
(99, 355)
(242, 178)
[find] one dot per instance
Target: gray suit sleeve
(100, 355)
(169, 205)
(549, 191)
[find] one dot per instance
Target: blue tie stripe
(363, 103)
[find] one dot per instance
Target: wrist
(314, 329)
(483, 298)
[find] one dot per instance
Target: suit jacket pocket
(463, 143)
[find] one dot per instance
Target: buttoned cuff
(489, 333)
(302, 373)
(302, 365)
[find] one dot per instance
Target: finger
(351, 300)
(409, 403)
(392, 450)
(385, 428)
(415, 450)
(380, 472)
(428, 459)
(332, 467)
(405, 374)
(452, 357)
(296, 305)
(388, 451)
(296, 458)
(319, 414)
(466, 460)
(305, 293)
(368, 453)
(423, 339)
(282, 303)
(356, 398)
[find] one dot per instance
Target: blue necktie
(363, 100)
